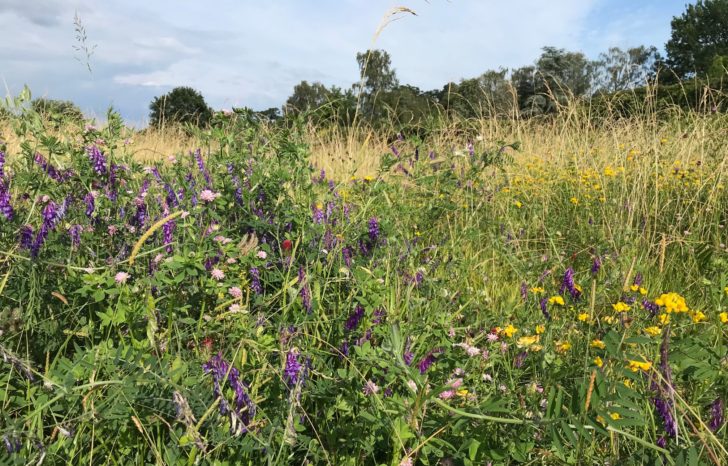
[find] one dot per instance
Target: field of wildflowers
(467, 301)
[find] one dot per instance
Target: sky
(252, 53)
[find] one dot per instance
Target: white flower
(208, 196)
(217, 274)
(234, 308)
(262, 254)
(121, 277)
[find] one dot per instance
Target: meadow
(488, 291)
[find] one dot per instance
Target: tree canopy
(181, 105)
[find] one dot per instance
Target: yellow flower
(620, 307)
(615, 416)
(628, 383)
(698, 316)
(509, 330)
(723, 316)
(726, 290)
(583, 317)
(562, 346)
(535, 348)
(672, 302)
(597, 344)
(609, 171)
(462, 392)
(635, 366)
(574, 201)
(664, 319)
(643, 291)
(578, 288)
(653, 331)
(598, 361)
(556, 300)
(537, 290)
(608, 319)
(369, 178)
(518, 204)
(663, 141)
(634, 287)
(319, 206)
(527, 341)
(542, 328)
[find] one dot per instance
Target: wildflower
(412, 385)
(373, 229)
(527, 341)
(583, 317)
(235, 308)
(542, 304)
(652, 331)
(716, 414)
(208, 196)
(447, 394)
(262, 255)
(698, 316)
(97, 159)
(427, 361)
(509, 330)
(651, 307)
(635, 366)
(615, 416)
(556, 300)
(354, 318)
(518, 204)
(723, 316)
(255, 284)
(406, 461)
(664, 319)
(599, 344)
(243, 410)
(235, 292)
(370, 388)
(598, 362)
(305, 292)
(562, 346)
(596, 265)
(217, 274)
(317, 213)
(664, 409)
(286, 245)
(574, 201)
(292, 370)
(672, 302)
(537, 290)
(540, 329)
(492, 337)
(620, 307)
(121, 277)
(520, 358)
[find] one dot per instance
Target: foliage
(698, 35)
(57, 110)
(462, 304)
(182, 105)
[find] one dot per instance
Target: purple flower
(317, 214)
(354, 318)
(50, 170)
(427, 361)
(716, 414)
(524, 291)
(520, 358)
(596, 265)
(567, 284)
(75, 233)
(201, 167)
(373, 229)
(90, 204)
(638, 279)
(661, 442)
(167, 231)
(292, 371)
(243, 410)
(12, 444)
(255, 284)
(346, 255)
(664, 409)
(26, 236)
(2, 163)
(379, 316)
(97, 159)
(5, 208)
(305, 291)
(651, 307)
(544, 309)
(408, 355)
(395, 151)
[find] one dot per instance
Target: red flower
(207, 343)
(286, 245)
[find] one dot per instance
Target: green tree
(377, 77)
(57, 109)
(698, 35)
(181, 105)
(619, 70)
(307, 97)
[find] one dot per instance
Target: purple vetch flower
(661, 442)
(664, 409)
(354, 318)
(520, 358)
(596, 265)
(567, 284)
(255, 284)
(344, 349)
(97, 159)
(292, 371)
(407, 354)
(90, 201)
(379, 316)
(6, 209)
(244, 409)
(50, 169)
(347, 212)
(544, 308)
(471, 149)
(346, 255)
(395, 151)
(317, 213)
(373, 229)
(524, 291)
(75, 233)
(2, 163)
(428, 360)
(364, 338)
(716, 415)
(140, 218)
(26, 236)
(653, 308)
(167, 232)
(638, 279)
(201, 167)
(12, 444)
(305, 291)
